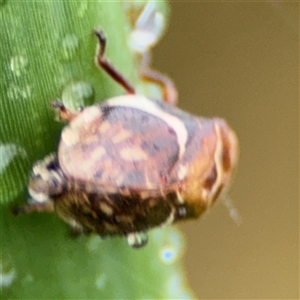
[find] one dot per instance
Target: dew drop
(18, 64)
(69, 46)
(8, 153)
(25, 92)
(137, 239)
(27, 279)
(15, 92)
(101, 281)
(7, 272)
(78, 94)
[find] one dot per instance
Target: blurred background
(240, 61)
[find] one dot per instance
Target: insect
(132, 163)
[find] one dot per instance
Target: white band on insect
(148, 106)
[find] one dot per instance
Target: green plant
(47, 51)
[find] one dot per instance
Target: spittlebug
(132, 163)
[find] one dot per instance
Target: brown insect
(133, 163)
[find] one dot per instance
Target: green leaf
(47, 52)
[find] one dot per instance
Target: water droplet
(101, 281)
(137, 239)
(7, 154)
(25, 92)
(15, 92)
(77, 95)
(69, 44)
(7, 272)
(27, 279)
(18, 64)
(82, 8)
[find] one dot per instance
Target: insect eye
(53, 165)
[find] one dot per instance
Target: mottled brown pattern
(131, 172)
(127, 146)
(121, 170)
(130, 214)
(132, 163)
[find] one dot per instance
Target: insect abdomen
(116, 214)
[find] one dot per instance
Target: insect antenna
(233, 212)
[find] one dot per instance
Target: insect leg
(64, 114)
(102, 62)
(149, 75)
